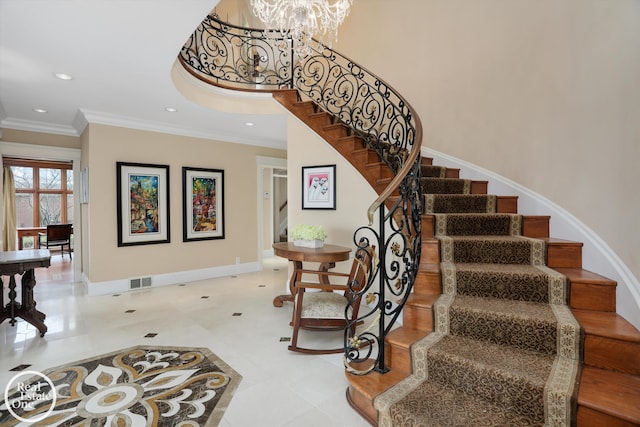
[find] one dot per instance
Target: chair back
(59, 232)
(364, 262)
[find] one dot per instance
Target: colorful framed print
(319, 187)
(143, 204)
(203, 201)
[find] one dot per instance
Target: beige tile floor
(279, 387)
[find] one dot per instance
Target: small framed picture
(143, 203)
(203, 204)
(319, 187)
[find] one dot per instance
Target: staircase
(609, 382)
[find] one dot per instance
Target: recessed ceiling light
(63, 76)
(250, 124)
(39, 110)
(171, 109)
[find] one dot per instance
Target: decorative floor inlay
(139, 386)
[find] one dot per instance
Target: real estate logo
(30, 396)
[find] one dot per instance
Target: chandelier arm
(303, 20)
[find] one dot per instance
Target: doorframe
(263, 163)
(46, 152)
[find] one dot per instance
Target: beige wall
(511, 85)
(39, 138)
(354, 194)
(107, 145)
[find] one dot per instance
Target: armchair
(324, 308)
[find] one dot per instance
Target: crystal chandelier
(303, 19)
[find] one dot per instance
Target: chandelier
(303, 20)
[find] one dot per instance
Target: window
(44, 192)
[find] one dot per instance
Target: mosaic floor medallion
(138, 386)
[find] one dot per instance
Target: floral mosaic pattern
(139, 386)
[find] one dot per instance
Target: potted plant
(308, 236)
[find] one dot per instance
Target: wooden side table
(22, 263)
(327, 256)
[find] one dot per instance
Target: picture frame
(142, 203)
(319, 187)
(203, 204)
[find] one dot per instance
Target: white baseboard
(122, 285)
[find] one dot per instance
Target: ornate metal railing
(252, 59)
(238, 58)
(388, 124)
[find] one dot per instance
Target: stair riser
(507, 204)
(363, 404)
(379, 170)
(303, 109)
(428, 283)
(586, 296)
(398, 358)
(319, 120)
(418, 318)
(612, 354)
(587, 417)
(334, 132)
(479, 187)
(564, 255)
(535, 226)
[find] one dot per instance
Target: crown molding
(35, 126)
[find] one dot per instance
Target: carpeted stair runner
(505, 351)
(445, 186)
(432, 171)
(470, 203)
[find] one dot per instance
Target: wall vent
(140, 282)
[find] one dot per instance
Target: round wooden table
(327, 256)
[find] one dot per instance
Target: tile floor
(279, 387)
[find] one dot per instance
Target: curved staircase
(607, 392)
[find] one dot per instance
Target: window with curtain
(44, 192)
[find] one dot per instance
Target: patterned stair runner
(506, 347)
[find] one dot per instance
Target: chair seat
(326, 305)
(58, 242)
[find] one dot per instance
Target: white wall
(544, 93)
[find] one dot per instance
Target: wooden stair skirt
(609, 393)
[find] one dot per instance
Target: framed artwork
(203, 202)
(143, 204)
(319, 187)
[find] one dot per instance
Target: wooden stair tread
(422, 300)
(374, 383)
(611, 393)
(404, 337)
(585, 276)
(606, 324)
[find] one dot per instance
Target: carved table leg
(28, 310)
(281, 299)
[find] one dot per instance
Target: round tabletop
(327, 253)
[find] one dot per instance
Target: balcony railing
(253, 59)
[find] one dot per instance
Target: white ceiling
(120, 53)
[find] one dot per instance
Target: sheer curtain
(8, 210)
